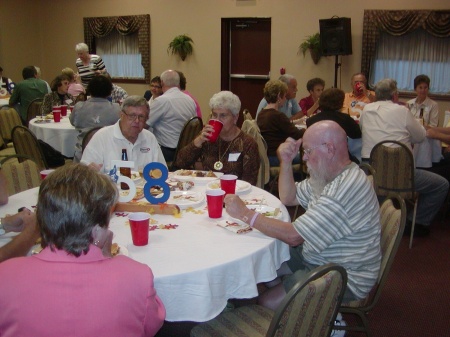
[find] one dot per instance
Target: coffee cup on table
(139, 224)
(217, 126)
(214, 200)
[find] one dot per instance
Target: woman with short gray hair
(88, 65)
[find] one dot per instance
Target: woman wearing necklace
(275, 126)
(234, 152)
(58, 96)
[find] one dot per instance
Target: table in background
(62, 136)
(197, 265)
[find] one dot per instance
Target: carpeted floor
(416, 298)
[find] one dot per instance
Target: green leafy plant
(181, 45)
(311, 43)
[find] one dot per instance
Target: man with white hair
(387, 120)
(341, 223)
(169, 112)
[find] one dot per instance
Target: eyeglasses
(155, 86)
(141, 118)
(220, 116)
(311, 149)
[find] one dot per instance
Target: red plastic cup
(214, 200)
(45, 173)
(57, 116)
(359, 88)
(217, 125)
(228, 183)
(139, 224)
(63, 110)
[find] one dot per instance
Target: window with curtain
(405, 56)
(124, 44)
(121, 55)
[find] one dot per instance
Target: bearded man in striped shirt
(341, 223)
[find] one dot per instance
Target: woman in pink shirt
(74, 287)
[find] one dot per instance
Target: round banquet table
(62, 136)
(197, 265)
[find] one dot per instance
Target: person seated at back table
(234, 152)
(85, 292)
(118, 94)
(96, 111)
(355, 101)
(341, 223)
(310, 104)
(290, 108)
(274, 125)
(75, 87)
(58, 96)
(155, 90)
(128, 133)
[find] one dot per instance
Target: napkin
(235, 226)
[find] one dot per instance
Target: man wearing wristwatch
(23, 222)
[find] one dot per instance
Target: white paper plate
(197, 180)
(241, 186)
(123, 250)
(267, 211)
(185, 199)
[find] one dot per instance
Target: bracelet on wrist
(252, 221)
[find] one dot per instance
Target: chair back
(311, 306)
(34, 109)
(9, 118)
(88, 136)
(26, 143)
(251, 128)
(369, 171)
(247, 114)
(20, 176)
(393, 163)
(191, 129)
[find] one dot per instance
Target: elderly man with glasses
(128, 133)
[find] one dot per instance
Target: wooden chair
(5, 150)
(34, 109)
(392, 219)
(190, 130)
(250, 127)
(9, 118)
(309, 309)
(369, 171)
(26, 143)
(20, 176)
(393, 163)
(88, 136)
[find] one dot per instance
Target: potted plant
(181, 45)
(311, 43)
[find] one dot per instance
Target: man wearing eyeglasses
(341, 223)
(169, 112)
(128, 133)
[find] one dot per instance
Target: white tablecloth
(62, 136)
(197, 266)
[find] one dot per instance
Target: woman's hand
(204, 135)
(102, 238)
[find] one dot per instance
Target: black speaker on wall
(336, 36)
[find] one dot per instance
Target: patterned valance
(399, 22)
(125, 25)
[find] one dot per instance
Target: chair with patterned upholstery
(309, 309)
(250, 127)
(20, 176)
(5, 150)
(34, 109)
(9, 118)
(26, 143)
(394, 167)
(392, 219)
(190, 130)
(369, 171)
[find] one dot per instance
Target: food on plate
(49, 116)
(185, 185)
(185, 172)
(115, 249)
(197, 174)
(211, 174)
(139, 193)
(135, 175)
(214, 185)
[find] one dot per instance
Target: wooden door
(246, 59)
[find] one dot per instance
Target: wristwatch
(2, 229)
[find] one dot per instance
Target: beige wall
(44, 33)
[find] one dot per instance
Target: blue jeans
(432, 190)
(274, 161)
